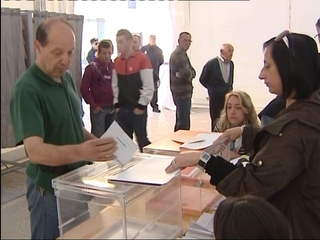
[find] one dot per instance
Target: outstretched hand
(184, 159)
(230, 135)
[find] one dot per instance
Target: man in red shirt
(96, 88)
(132, 84)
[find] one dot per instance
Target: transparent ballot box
(197, 194)
(92, 206)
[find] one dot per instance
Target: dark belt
(60, 170)
(64, 169)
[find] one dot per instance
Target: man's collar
(223, 60)
(134, 54)
(45, 77)
(97, 60)
(181, 49)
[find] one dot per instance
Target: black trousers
(215, 106)
(154, 100)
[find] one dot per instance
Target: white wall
(246, 25)
(60, 6)
(25, 5)
(148, 18)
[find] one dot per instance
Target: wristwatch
(204, 158)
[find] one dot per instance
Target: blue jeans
(134, 123)
(42, 206)
(98, 121)
(183, 108)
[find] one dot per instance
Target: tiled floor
(15, 215)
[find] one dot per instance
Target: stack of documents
(150, 171)
(204, 140)
(202, 228)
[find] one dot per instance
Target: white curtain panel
(180, 18)
(60, 6)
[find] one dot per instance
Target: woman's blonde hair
(250, 114)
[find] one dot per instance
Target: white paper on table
(202, 228)
(187, 139)
(209, 138)
(150, 171)
(126, 146)
(205, 221)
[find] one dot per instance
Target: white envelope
(126, 146)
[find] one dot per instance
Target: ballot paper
(126, 146)
(150, 171)
(202, 228)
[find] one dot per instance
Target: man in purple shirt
(96, 88)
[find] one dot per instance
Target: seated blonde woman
(238, 111)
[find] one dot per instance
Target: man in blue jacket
(94, 47)
(217, 77)
(156, 57)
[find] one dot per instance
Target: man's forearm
(88, 135)
(53, 155)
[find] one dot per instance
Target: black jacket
(273, 108)
(211, 78)
(155, 55)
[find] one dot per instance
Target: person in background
(45, 114)
(238, 110)
(136, 42)
(249, 217)
(96, 88)
(271, 110)
(217, 77)
(156, 57)
(284, 166)
(132, 85)
(94, 47)
(181, 75)
(112, 46)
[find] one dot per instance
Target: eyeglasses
(283, 36)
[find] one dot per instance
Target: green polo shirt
(42, 107)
